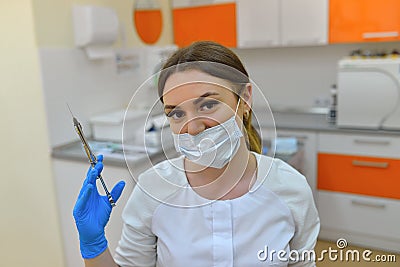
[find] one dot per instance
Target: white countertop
(300, 120)
(315, 120)
(114, 153)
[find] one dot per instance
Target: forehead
(191, 84)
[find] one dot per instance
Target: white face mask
(214, 147)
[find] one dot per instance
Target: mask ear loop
(243, 128)
(237, 106)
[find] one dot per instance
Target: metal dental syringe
(91, 156)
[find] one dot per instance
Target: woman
(221, 203)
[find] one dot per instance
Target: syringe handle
(110, 199)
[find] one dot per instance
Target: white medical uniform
(166, 223)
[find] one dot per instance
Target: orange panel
(340, 173)
(349, 19)
(381, 16)
(214, 22)
(148, 25)
(345, 18)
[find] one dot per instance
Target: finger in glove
(117, 190)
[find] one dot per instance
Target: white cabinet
(305, 160)
(308, 142)
(267, 23)
(360, 144)
(358, 196)
(363, 220)
(304, 22)
(257, 23)
(69, 176)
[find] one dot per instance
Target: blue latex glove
(92, 212)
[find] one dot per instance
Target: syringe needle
(70, 111)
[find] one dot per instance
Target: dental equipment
(91, 156)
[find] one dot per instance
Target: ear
(247, 96)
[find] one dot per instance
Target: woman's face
(195, 101)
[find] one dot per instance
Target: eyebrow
(196, 101)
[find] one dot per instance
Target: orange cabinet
(214, 22)
(364, 20)
(359, 175)
(251, 23)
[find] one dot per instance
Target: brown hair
(207, 51)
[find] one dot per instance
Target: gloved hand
(92, 212)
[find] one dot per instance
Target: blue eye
(208, 105)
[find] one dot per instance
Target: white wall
(90, 87)
(294, 76)
(29, 225)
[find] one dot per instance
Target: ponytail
(254, 140)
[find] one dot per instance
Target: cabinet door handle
(368, 204)
(370, 35)
(361, 163)
(302, 137)
(303, 41)
(257, 43)
(372, 142)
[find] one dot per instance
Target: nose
(195, 126)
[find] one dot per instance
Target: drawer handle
(297, 136)
(369, 35)
(361, 163)
(368, 204)
(303, 41)
(257, 43)
(372, 142)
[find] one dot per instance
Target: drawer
(364, 145)
(369, 216)
(359, 175)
